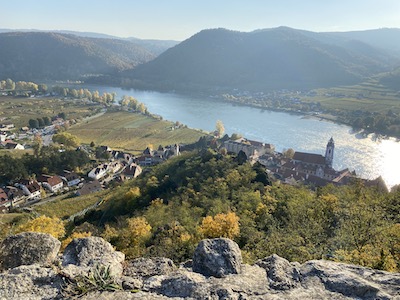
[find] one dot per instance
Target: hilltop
(211, 60)
(58, 56)
(269, 59)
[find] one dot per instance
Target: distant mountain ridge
(211, 60)
(278, 58)
(39, 55)
(156, 47)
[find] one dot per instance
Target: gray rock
(29, 282)
(351, 281)
(131, 283)
(183, 285)
(147, 267)
(282, 274)
(272, 278)
(93, 251)
(124, 295)
(217, 257)
(28, 248)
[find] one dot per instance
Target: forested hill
(56, 56)
(168, 209)
(261, 60)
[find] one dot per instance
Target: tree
(100, 153)
(37, 145)
(222, 225)
(10, 85)
(235, 136)
(142, 108)
(62, 115)
(67, 139)
(40, 122)
(42, 88)
(88, 94)
(44, 224)
(33, 123)
(46, 121)
(73, 93)
(131, 239)
(288, 153)
(219, 128)
(75, 235)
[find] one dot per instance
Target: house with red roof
(53, 183)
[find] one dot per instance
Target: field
(131, 132)
(65, 207)
(18, 110)
(368, 96)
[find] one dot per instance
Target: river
(369, 156)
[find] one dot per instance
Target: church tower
(330, 147)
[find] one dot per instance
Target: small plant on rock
(98, 278)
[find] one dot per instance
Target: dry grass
(131, 132)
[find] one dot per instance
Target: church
(315, 164)
(314, 168)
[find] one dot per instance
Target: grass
(15, 153)
(19, 110)
(65, 207)
(368, 96)
(8, 218)
(131, 132)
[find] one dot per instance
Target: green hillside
(169, 209)
(55, 56)
(271, 59)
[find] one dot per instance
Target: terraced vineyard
(132, 132)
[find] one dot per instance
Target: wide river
(368, 156)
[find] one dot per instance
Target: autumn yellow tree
(44, 224)
(131, 238)
(75, 235)
(67, 139)
(220, 128)
(222, 225)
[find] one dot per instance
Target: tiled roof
(309, 158)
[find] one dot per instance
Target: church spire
(330, 148)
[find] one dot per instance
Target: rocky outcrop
(28, 248)
(91, 269)
(93, 251)
(217, 257)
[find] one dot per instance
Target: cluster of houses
(9, 135)
(120, 167)
(29, 190)
(6, 138)
(303, 168)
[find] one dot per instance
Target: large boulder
(282, 275)
(217, 257)
(30, 282)
(28, 248)
(350, 280)
(91, 252)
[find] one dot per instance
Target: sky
(180, 19)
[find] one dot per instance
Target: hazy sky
(180, 19)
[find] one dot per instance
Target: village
(120, 167)
(290, 167)
(298, 168)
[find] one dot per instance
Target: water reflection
(367, 155)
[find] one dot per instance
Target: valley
(272, 138)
